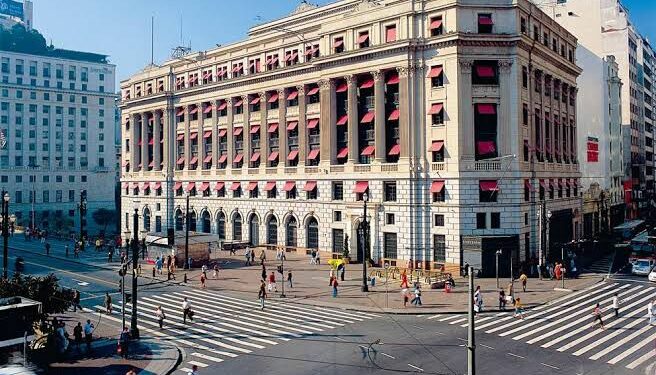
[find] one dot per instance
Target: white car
(642, 267)
(652, 275)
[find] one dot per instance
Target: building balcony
(336, 168)
(223, 120)
(362, 168)
(274, 142)
(239, 118)
(485, 91)
(255, 144)
(482, 165)
(438, 166)
(289, 170)
(313, 108)
(271, 170)
(292, 141)
(311, 169)
(272, 114)
(292, 111)
(389, 167)
(253, 170)
(314, 139)
(254, 116)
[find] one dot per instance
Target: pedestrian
(342, 271)
(47, 248)
(331, 276)
(190, 262)
(76, 251)
(406, 297)
(88, 332)
(203, 269)
(289, 278)
(478, 300)
(519, 309)
(247, 255)
(502, 300)
(186, 311)
(158, 265)
(132, 371)
(108, 303)
(262, 257)
(124, 342)
(404, 280)
(202, 281)
(76, 300)
(616, 305)
(313, 257)
(264, 272)
(524, 279)
(194, 370)
(110, 255)
(77, 334)
(272, 282)
(216, 271)
(138, 269)
(252, 257)
(335, 284)
(66, 250)
(262, 294)
(417, 298)
(597, 316)
(650, 312)
(159, 313)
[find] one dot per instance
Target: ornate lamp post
(363, 232)
(5, 232)
(134, 331)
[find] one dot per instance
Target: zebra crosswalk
(566, 324)
(226, 327)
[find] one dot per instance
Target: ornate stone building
(452, 119)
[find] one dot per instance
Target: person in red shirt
(272, 282)
(404, 280)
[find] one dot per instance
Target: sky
(121, 28)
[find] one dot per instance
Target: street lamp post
(364, 233)
(121, 273)
(498, 254)
(186, 257)
(82, 206)
(5, 232)
(134, 331)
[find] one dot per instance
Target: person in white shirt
(88, 331)
(193, 371)
(616, 305)
(186, 310)
(650, 312)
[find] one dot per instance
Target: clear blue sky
(121, 28)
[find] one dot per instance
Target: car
(642, 267)
(652, 275)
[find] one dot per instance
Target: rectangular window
(338, 44)
(389, 246)
(338, 191)
(485, 72)
(438, 220)
(390, 33)
(495, 220)
(439, 248)
(436, 27)
(363, 39)
(337, 216)
(389, 191)
(524, 77)
(389, 219)
(481, 220)
(338, 240)
(485, 23)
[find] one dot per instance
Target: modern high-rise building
(57, 118)
(647, 77)
(452, 121)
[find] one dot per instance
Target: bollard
(153, 272)
(185, 278)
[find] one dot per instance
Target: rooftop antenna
(152, 40)
(181, 51)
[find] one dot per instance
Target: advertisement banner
(11, 8)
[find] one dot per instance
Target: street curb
(72, 260)
(154, 369)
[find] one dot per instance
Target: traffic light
(280, 269)
(123, 270)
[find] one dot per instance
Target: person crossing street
(262, 294)
(186, 311)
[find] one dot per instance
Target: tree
(46, 289)
(103, 217)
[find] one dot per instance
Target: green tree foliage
(18, 39)
(46, 290)
(104, 217)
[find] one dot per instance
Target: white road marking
(387, 355)
(633, 349)
(207, 357)
(515, 355)
(450, 317)
(199, 364)
(608, 336)
(433, 316)
(81, 283)
(486, 346)
(458, 321)
(621, 342)
(340, 339)
(645, 357)
(550, 366)
(416, 368)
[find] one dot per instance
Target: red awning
(140, 142)
(180, 112)
(368, 151)
(312, 123)
(146, 185)
(488, 185)
(361, 187)
(238, 103)
(208, 159)
(124, 185)
(486, 109)
(395, 150)
(435, 71)
(393, 79)
(272, 127)
(289, 185)
(222, 132)
(208, 109)
(544, 184)
(237, 131)
(342, 153)
(193, 160)
(435, 108)
(273, 98)
(567, 183)
(162, 140)
(194, 110)
(180, 160)
(363, 38)
(252, 185)
(292, 155)
(338, 43)
(313, 91)
(270, 185)
(368, 117)
(485, 147)
(527, 184)
(222, 106)
(157, 185)
(207, 134)
(485, 20)
(193, 135)
(435, 24)
(292, 95)
(126, 162)
(390, 34)
(235, 186)
(151, 142)
(177, 186)
(292, 125)
(437, 186)
(255, 129)
(575, 182)
(485, 71)
(437, 146)
(255, 100)
(222, 158)
(273, 156)
(342, 120)
(236, 68)
(220, 185)
(207, 74)
(238, 158)
(367, 84)
(151, 164)
(140, 165)
(394, 115)
(204, 186)
(343, 87)
(310, 185)
(255, 157)
(313, 154)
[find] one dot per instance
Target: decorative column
(302, 127)
(199, 137)
(264, 130)
(215, 137)
(246, 105)
(157, 136)
(187, 139)
(405, 112)
(144, 142)
(504, 133)
(353, 119)
(327, 121)
(282, 128)
(135, 150)
(167, 136)
(379, 119)
(465, 111)
(230, 137)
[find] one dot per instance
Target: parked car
(642, 267)
(652, 275)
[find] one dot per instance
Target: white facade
(58, 118)
(27, 20)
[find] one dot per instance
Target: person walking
(47, 248)
(264, 272)
(519, 309)
(158, 265)
(76, 251)
(597, 316)
(331, 276)
(203, 269)
(650, 313)
(202, 281)
(186, 311)
(335, 284)
(262, 294)
(342, 271)
(502, 300)
(108, 303)
(124, 342)
(417, 298)
(77, 334)
(88, 332)
(66, 250)
(262, 257)
(616, 305)
(404, 280)
(272, 282)
(478, 300)
(159, 314)
(524, 279)
(252, 257)
(247, 255)
(110, 255)
(289, 278)
(406, 297)
(216, 271)
(76, 300)
(194, 370)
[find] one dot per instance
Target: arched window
(192, 221)
(292, 232)
(272, 231)
(206, 222)
(146, 219)
(236, 227)
(312, 233)
(178, 219)
(254, 230)
(220, 226)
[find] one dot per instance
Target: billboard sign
(11, 8)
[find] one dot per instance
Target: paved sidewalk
(89, 256)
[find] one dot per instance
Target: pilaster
(465, 110)
(504, 118)
(144, 142)
(215, 137)
(157, 137)
(247, 131)
(230, 137)
(282, 128)
(404, 115)
(264, 130)
(327, 121)
(302, 126)
(379, 119)
(353, 120)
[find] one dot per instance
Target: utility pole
(83, 213)
(186, 258)
(471, 346)
(498, 254)
(134, 331)
(562, 256)
(5, 232)
(282, 273)
(364, 233)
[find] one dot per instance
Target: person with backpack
(262, 294)
(159, 314)
(417, 298)
(596, 313)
